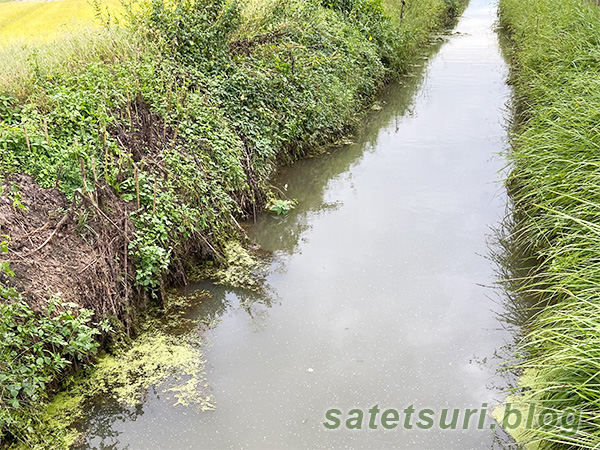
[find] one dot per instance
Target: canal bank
(376, 292)
(553, 186)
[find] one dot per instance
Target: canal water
(378, 290)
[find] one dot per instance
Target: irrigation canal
(377, 292)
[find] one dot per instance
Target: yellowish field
(41, 21)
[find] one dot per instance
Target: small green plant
(281, 207)
(14, 193)
(6, 292)
(4, 243)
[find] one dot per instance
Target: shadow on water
(515, 268)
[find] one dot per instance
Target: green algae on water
(171, 364)
(241, 268)
(167, 356)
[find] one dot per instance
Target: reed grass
(555, 190)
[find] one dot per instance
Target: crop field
(42, 21)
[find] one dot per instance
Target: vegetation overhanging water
(553, 185)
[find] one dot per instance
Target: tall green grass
(555, 190)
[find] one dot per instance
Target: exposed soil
(77, 250)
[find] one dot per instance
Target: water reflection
(308, 182)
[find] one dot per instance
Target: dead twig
(31, 233)
(93, 205)
(46, 131)
(239, 227)
(88, 266)
(85, 186)
(59, 225)
(60, 168)
(95, 179)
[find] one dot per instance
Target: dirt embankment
(78, 249)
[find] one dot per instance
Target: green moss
(55, 429)
(171, 364)
(155, 359)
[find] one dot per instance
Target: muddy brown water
(377, 293)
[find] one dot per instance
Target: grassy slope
(191, 110)
(555, 187)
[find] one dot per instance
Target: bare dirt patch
(78, 249)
